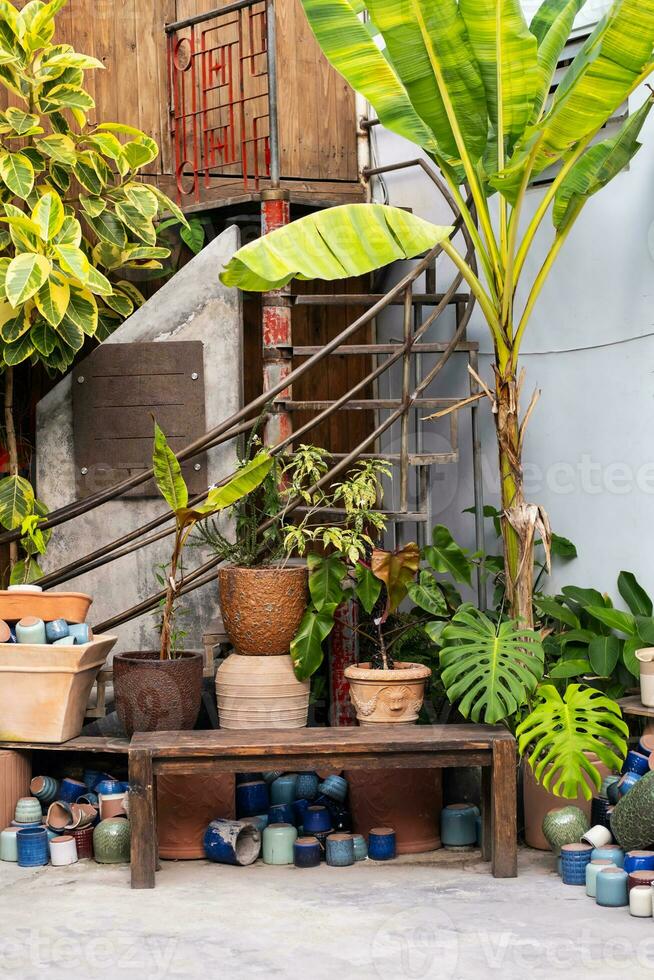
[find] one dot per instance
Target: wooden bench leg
(504, 816)
(142, 816)
(486, 813)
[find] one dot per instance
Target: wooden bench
(392, 746)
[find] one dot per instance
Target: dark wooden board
(115, 746)
(634, 706)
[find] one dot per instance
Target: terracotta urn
(262, 607)
(409, 800)
(538, 801)
(260, 692)
(186, 805)
(154, 695)
(383, 697)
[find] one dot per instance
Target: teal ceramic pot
(282, 789)
(593, 868)
(607, 782)
(459, 825)
(56, 629)
(278, 842)
(306, 787)
(31, 630)
(564, 825)
(334, 788)
(45, 789)
(632, 820)
(360, 847)
(610, 852)
(611, 888)
(260, 821)
(8, 845)
(340, 850)
(28, 810)
(111, 841)
(627, 783)
(271, 776)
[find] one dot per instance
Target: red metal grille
(220, 126)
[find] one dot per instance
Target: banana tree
(469, 82)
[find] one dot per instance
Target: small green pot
(111, 841)
(564, 825)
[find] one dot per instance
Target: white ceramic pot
(645, 658)
(63, 851)
(598, 836)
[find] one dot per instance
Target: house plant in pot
(161, 690)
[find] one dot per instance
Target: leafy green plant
(561, 732)
(21, 509)
(172, 487)
(470, 82)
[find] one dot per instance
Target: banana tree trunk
(517, 524)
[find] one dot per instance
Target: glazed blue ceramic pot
(307, 852)
(360, 847)
(232, 842)
(340, 850)
(598, 812)
(341, 819)
(252, 798)
(270, 777)
(574, 858)
(260, 821)
(636, 762)
(32, 847)
(612, 790)
(300, 807)
(282, 789)
(335, 788)
(611, 852)
(381, 844)
(322, 837)
(80, 632)
(71, 789)
(458, 825)
(45, 789)
(281, 813)
(92, 776)
(593, 868)
(317, 819)
(611, 888)
(306, 787)
(89, 797)
(56, 630)
(108, 786)
(248, 777)
(638, 861)
(627, 782)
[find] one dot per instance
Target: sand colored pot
(44, 690)
(538, 801)
(186, 805)
(645, 658)
(409, 800)
(48, 606)
(15, 773)
(154, 695)
(382, 697)
(262, 607)
(260, 692)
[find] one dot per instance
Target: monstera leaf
(562, 732)
(489, 669)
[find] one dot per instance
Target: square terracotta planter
(44, 690)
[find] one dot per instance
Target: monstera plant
(77, 221)
(470, 82)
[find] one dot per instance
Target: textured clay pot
(565, 825)
(262, 607)
(15, 773)
(260, 692)
(383, 697)
(538, 801)
(154, 695)
(632, 820)
(186, 805)
(111, 841)
(409, 800)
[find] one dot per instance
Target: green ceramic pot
(564, 825)
(111, 841)
(632, 820)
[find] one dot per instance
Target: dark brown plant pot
(262, 607)
(154, 695)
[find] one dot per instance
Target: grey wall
(192, 306)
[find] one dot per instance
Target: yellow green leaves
(52, 299)
(22, 123)
(83, 309)
(168, 473)
(16, 501)
(25, 276)
(59, 147)
(49, 215)
(73, 261)
(17, 173)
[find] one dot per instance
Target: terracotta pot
(383, 697)
(260, 692)
(48, 606)
(262, 607)
(538, 801)
(409, 800)
(186, 805)
(44, 690)
(154, 695)
(15, 773)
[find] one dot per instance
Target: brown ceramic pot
(262, 607)
(409, 800)
(154, 695)
(15, 775)
(538, 801)
(383, 697)
(186, 805)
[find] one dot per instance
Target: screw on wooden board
(195, 376)
(80, 380)
(197, 467)
(84, 470)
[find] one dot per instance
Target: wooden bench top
(85, 743)
(322, 741)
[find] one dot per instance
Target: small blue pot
(599, 812)
(382, 844)
(334, 788)
(252, 798)
(56, 630)
(260, 821)
(612, 790)
(636, 762)
(610, 852)
(307, 852)
(88, 797)
(638, 861)
(92, 776)
(33, 847)
(281, 813)
(248, 777)
(45, 789)
(282, 789)
(574, 858)
(340, 850)
(108, 786)
(360, 847)
(71, 789)
(459, 825)
(306, 787)
(611, 889)
(232, 842)
(80, 632)
(300, 807)
(317, 819)
(627, 782)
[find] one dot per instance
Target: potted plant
(161, 690)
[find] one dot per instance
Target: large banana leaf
(597, 167)
(551, 26)
(349, 240)
(489, 669)
(349, 47)
(561, 733)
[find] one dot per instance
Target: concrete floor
(440, 916)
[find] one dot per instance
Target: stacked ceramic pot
(256, 687)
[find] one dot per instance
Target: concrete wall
(194, 305)
(590, 348)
